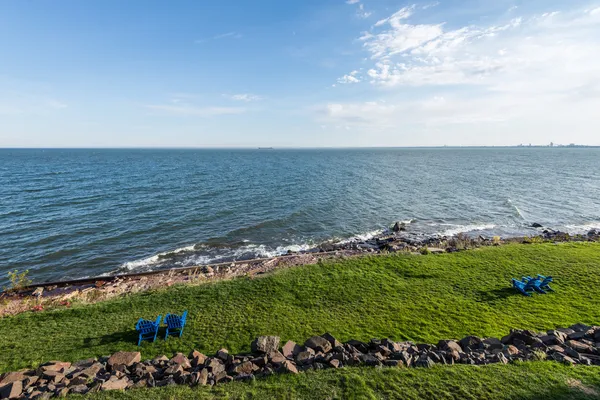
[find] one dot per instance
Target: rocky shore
(578, 344)
(397, 239)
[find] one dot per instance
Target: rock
(449, 345)
(358, 345)
(333, 341)
(318, 343)
(290, 349)
(115, 384)
(305, 357)
(512, 350)
(579, 346)
(11, 390)
(245, 368)
(369, 360)
(502, 358)
(493, 344)
(580, 327)
(11, 377)
(399, 227)
(215, 365)
(92, 371)
(424, 362)
(57, 366)
(200, 378)
(182, 360)
(276, 358)
(124, 358)
(265, 344)
(536, 225)
(85, 363)
(79, 389)
(335, 363)
(197, 358)
(53, 376)
(174, 369)
(471, 343)
(288, 367)
(563, 359)
(208, 270)
(223, 355)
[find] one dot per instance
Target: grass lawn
(420, 298)
(529, 381)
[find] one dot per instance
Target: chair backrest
(531, 284)
(173, 321)
(145, 326)
(546, 281)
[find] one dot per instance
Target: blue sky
(105, 73)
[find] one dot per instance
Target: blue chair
(175, 324)
(147, 330)
(524, 287)
(545, 282)
(542, 283)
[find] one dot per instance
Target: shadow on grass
(492, 296)
(117, 337)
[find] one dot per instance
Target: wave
(583, 228)
(456, 229)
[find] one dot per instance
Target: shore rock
(265, 344)
(124, 358)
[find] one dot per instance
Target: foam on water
(456, 229)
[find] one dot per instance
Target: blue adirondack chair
(175, 324)
(545, 282)
(536, 283)
(524, 287)
(147, 330)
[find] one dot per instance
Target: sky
(310, 73)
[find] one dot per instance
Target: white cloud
(348, 79)
(352, 1)
(533, 75)
(247, 97)
(189, 110)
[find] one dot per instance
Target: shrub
(18, 280)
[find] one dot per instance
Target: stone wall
(579, 344)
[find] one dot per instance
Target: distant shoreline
(304, 148)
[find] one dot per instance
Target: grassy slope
(530, 381)
(422, 298)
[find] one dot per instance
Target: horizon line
(289, 147)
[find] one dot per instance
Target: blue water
(77, 213)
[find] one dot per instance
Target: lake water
(77, 213)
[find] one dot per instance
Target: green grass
(420, 298)
(529, 381)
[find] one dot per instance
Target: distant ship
(265, 148)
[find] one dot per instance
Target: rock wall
(579, 344)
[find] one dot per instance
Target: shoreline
(40, 296)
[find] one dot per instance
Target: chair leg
(167, 334)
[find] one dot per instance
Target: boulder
(92, 370)
(305, 357)
(11, 390)
(318, 343)
(11, 377)
(471, 343)
(245, 368)
(399, 227)
(290, 349)
(333, 341)
(276, 358)
(180, 359)
(424, 362)
(115, 384)
(536, 225)
(579, 346)
(53, 376)
(265, 344)
(200, 378)
(288, 367)
(57, 366)
(197, 358)
(493, 344)
(449, 345)
(124, 358)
